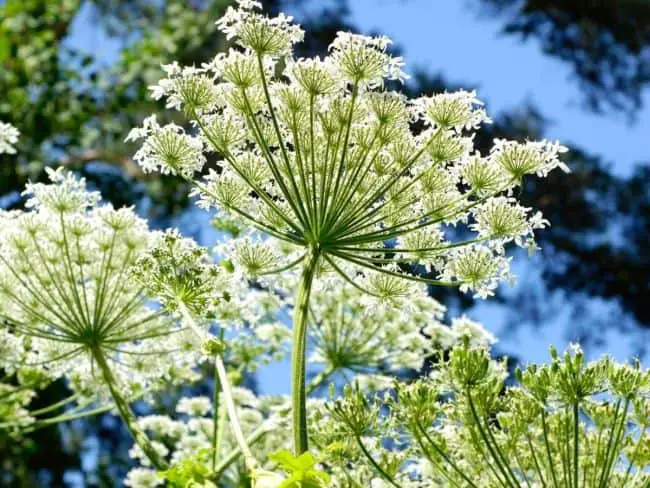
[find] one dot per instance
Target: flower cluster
(462, 426)
(167, 149)
(19, 384)
(354, 199)
(320, 154)
(63, 269)
(350, 330)
(8, 138)
(175, 270)
(325, 158)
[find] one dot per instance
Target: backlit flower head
(521, 159)
(167, 149)
(64, 265)
(175, 270)
(458, 110)
(257, 32)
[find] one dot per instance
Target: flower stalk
(127, 415)
(226, 390)
(299, 354)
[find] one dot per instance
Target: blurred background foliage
(74, 108)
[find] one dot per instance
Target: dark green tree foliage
(604, 41)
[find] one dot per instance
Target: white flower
(142, 478)
(189, 88)
(477, 268)
(194, 407)
(363, 59)
(136, 452)
(458, 110)
(64, 264)
(475, 332)
(8, 138)
(321, 159)
(257, 32)
(520, 159)
(167, 149)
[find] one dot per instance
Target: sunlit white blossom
(8, 138)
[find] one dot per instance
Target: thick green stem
(576, 447)
(127, 415)
(299, 354)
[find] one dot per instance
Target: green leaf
(188, 473)
(301, 470)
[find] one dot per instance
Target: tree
(605, 42)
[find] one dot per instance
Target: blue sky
(452, 37)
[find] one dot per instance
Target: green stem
(299, 354)
(442, 454)
(73, 414)
(576, 450)
(618, 435)
(535, 460)
(127, 415)
(229, 402)
(374, 463)
(318, 381)
(487, 442)
(215, 412)
(434, 463)
(633, 456)
(236, 452)
(551, 464)
(54, 406)
(249, 459)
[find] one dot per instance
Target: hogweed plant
(363, 182)
(63, 268)
(345, 201)
(565, 424)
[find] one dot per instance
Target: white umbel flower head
(167, 149)
(64, 264)
(143, 478)
(323, 157)
(458, 110)
(520, 159)
(257, 32)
